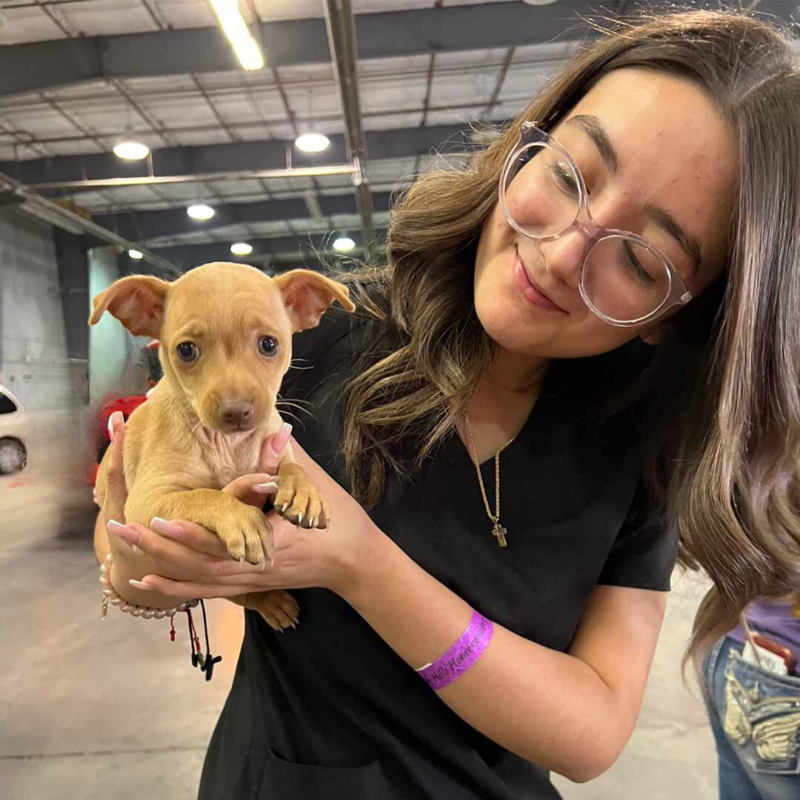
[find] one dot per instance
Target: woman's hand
(191, 562)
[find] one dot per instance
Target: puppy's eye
(188, 352)
(267, 346)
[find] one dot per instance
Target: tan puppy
(226, 343)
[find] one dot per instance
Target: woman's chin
(509, 327)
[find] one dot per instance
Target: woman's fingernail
(281, 438)
(125, 533)
(265, 488)
(165, 528)
(113, 421)
(145, 587)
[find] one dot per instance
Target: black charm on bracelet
(205, 662)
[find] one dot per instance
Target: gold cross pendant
(499, 533)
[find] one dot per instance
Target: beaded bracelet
(110, 595)
(205, 661)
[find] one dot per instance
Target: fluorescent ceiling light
(131, 151)
(344, 244)
(539, 2)
(312, 142)
(235, 28)
(200, 211)
(136, 255)
(241, 249)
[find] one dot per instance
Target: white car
(13, 434)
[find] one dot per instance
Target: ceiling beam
(342, 44)
(38, 66)
(147, 225)
(298, 249)
(231, 157)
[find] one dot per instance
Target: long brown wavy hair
(723, 447)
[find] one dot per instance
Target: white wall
(33, 351)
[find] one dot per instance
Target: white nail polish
(265, 488)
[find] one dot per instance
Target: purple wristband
(461, 657)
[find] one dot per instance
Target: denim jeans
(755, 716)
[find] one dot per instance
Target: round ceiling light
(136, 255)
(131, 151)
(312, 142)
(344, 244)
(200, 211)
(241, 249)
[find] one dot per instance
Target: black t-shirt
(329, 710)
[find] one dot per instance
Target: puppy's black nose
(237, 415)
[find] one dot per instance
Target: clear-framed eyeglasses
(624, 279)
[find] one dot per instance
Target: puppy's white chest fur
(228, 456)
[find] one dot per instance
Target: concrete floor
(81, 718)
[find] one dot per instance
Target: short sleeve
(644, 553)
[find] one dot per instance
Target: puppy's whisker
(289, 414)
(305, 407)
(296, 400)
(299, 363)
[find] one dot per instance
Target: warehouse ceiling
(78, 76)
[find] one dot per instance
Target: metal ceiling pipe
(340, 22)
(210, 177)
(40, 207)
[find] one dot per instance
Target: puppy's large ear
(308, 295)
(137, 302)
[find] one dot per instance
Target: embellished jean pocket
(762, 716)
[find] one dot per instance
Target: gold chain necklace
(498, 531)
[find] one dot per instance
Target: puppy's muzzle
(238, 416)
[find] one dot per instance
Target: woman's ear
(137, 302)
(308, 295)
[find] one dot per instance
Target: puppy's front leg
(243, 528)
(297, 500)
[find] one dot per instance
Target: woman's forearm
(101, 546)
(548, 707)
(128, 563)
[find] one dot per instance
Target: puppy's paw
(247, 535)
(279, 608)
(298, 501)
